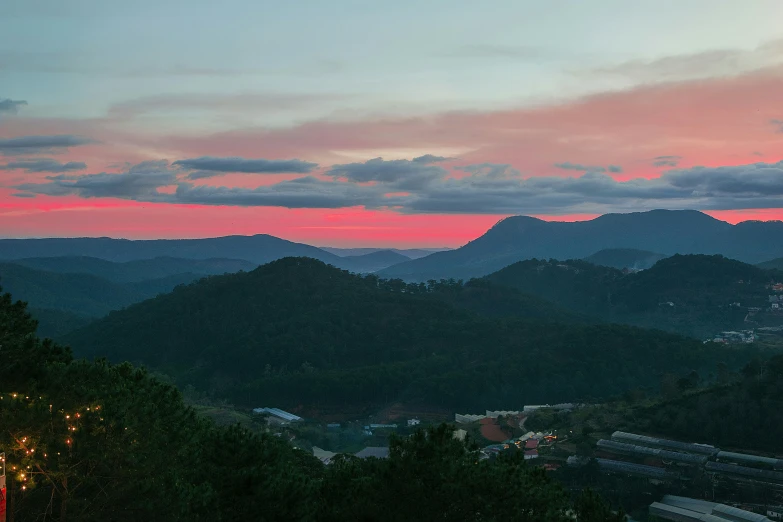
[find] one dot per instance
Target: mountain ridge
(667, 232)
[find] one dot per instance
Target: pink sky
(718, 122)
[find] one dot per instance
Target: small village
(639, 461)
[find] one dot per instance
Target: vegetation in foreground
(91, 441)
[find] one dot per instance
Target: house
(531, 454)
(531, 444)
(323, 455)
(460, 434)
(277, 416)
(376, 452)
(413, 422)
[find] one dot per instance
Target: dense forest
(693, 295)
(297, 333)
(744, 414)
(91, 441)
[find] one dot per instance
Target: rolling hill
(666, 232)
(299, 334)
(694, 294)
(169, 256)
(135, 271)
(625, 258)
(62, 302)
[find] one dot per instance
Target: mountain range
(257, 250)
(303, 335)
(666, 232)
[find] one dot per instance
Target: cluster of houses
(467, 418)
(735, 337)
(669, 460)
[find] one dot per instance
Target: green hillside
(94, 442)
(303, 335)
(693, 295)
(625, 258)
(137, 270)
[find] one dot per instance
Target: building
(531, 444)
(620, 448)
(683, 509)
(323, 455)
(744, 458)
(277, 416)
(755, 474)
(494, 414)
(674, 445)
(531, 454)
(638, 470)
(376, 452)
(460, 434)
(467, 418)
(413, 422)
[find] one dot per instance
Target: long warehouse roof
(744, 457)
(631, 449)
(643, 440)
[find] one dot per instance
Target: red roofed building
(531, 444)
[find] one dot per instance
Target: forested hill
(625, 258)
(694, 294)
(744, 414)
(94, 442)
(298, 333)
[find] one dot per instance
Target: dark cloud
(140, 182)
(588, 168)
(491, 170)
(23, 195)
(41, 144)
(10, 106)
(396, 174)
(778, 124)
(306, 192)
(486, 188)
(666, 161)
(43, 165)
(208, 166)
(429, 158)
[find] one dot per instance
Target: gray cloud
(208, 166)
(11, 106)
(44, 165)
(23, 195)
(778, 124)
(567, 165)
(140, 182)
(397, 174)
(429, 158)
(666, 161)
(491, 170)
(305, 192)
(41, 144)
(487, 188)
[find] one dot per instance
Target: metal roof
(681, 515)
(277, 412)
(744, 457)
(737, 514)
(736, 469)
(672, 507)
(374, 451)
(631, 449)
(635, 469)
(643, 440)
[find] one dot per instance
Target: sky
(406, 124)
